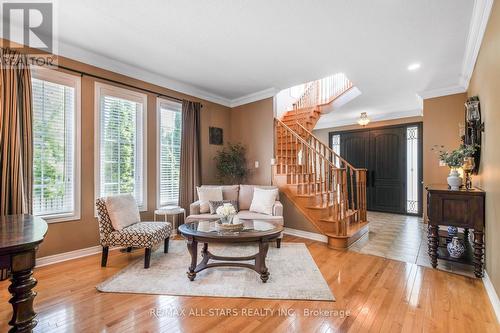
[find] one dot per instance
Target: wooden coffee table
(255, 231)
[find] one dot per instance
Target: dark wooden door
(387, 167)
(354, 148)
(383, 153)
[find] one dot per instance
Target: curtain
(190, 175)
(16, 141)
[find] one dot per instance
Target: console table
(20, 236)
(462, 209)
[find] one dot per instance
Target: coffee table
(205, 231)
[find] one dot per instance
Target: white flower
(226, 210)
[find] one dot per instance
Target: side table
(461, 209)
(173, 211)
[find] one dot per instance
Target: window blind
(53, 148)
(121, 147)
(169, 151)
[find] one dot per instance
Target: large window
(120, 143)
(56, 145)
(169, 151)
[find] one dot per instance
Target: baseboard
(492, 294)
(60, 257)
(306, 234)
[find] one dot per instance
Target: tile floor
(402, 238)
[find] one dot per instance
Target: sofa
(243, 194)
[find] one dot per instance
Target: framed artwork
(215, 136)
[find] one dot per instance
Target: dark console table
(463, 209)
(20, 236)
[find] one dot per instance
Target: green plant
(455, 158)
(231, 164)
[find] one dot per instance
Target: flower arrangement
(227, 211)
(455, 158)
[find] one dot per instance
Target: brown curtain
(190, 176)
(16, 141)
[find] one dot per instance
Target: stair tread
(350, 212)
(353, 228)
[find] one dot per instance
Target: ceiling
(234, 51)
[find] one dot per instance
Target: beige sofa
(244, 195)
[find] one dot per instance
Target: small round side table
(173, 211)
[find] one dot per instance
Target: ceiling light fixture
(413, 67)
(363, 119)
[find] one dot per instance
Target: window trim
(101, 89)
(159, 102)
(74, 81)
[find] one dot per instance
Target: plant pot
(455, 248)
(454, 180)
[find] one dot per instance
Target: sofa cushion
(202, 217)
(248, 215)
(216, 204)
(205, 194)
(246, 194)
(229, 192)
(141, 234)
(263, 201)
(122, 210)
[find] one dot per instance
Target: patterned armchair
(139, 234)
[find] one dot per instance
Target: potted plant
(231, 164)
(454, 160)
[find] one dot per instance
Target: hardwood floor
(379, 295)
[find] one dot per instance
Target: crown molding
(98, 60)
(374, 118)
(451, 90)
(480, 16)
(257, 96)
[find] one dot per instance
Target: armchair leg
(104, 257)
(278, 243)
(147, 257)
(165, 245)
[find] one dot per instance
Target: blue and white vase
(455, 248)
(452, 231)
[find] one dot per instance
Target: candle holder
(468, 167)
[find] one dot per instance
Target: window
(56, 145)
(169, 151)
(120, 143)
(412, 204)
(335, 144)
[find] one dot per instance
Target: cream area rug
(293, 275)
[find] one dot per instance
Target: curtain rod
(120, 83)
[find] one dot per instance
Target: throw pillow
(216, 204)
(122, 210)
(263, 201)
(205, 194)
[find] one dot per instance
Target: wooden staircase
(324, 187)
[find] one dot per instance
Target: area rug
(293, 275)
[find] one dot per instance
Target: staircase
(325, 188)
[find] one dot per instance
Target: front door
(383, 152)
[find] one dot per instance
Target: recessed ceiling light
(414, 67)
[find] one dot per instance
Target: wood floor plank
(379, 295)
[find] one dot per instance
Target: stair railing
(356, 177)
(323, 92)
(295, 155)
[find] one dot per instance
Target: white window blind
(169, 143)
(55, 145)
(121, 140)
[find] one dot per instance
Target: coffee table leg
(260, 261)
(192, 245)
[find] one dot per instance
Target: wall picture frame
(215, 136)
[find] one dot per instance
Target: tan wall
(442, 116)
(322, 134)
(252, 125)
(69, 236)
(484, 83)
